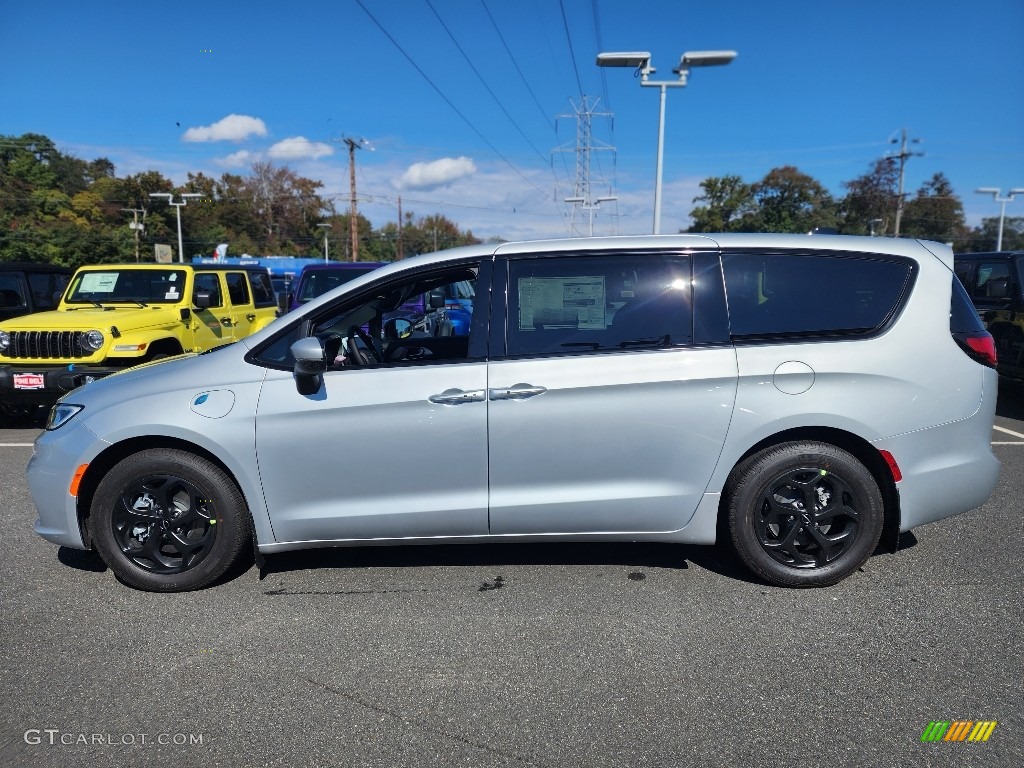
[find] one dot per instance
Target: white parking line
(1008, 442)
(1008, 431)
(16, 445)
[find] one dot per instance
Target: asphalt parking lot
(549, 655)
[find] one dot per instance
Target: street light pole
(995, 192)
(641, 61)
(177, 207)
(326, 228)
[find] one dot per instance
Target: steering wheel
(356, 353)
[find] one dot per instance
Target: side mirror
(202, 299)
(398, 328)
(310, 363)
(437, 298)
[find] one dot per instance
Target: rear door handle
(516, 392)
(457, 397)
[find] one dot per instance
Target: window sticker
(172, 294)
(173, 277)
(577, 302)
(98, 282)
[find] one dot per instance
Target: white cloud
(230, 128)
(436, 174)
(298, 148)
(238, 159)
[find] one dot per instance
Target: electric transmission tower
(582, 197)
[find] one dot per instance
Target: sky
(469, 108)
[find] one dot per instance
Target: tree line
(786, 200)
(56, 208)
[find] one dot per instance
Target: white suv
(809, 397)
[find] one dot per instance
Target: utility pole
(136, 226)
(353, 228)
(400, 254)
(903, 157)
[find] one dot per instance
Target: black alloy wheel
(804, 514)
(167, 520)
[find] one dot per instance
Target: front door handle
(226, 320)
(457, 397)
(251, 317)
(516, 392)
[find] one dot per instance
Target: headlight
(5, 341)
(61, 414)
(92, 340)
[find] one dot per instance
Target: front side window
(812, 294)
(141, 286)
(208, 282)
(377, 328)
(618, 302)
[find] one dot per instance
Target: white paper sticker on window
(98, 282)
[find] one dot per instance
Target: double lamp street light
(641, 62)
(177, 207)
(1002, 208)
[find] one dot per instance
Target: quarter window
(612, 303)
(811, 294)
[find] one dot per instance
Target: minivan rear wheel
(167, 520)
(803, 514)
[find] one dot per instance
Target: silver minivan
(805, 398)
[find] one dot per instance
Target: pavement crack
(426, 727)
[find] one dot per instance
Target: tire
(166, 520)
(767, 497)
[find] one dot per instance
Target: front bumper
(56, 456)
(45, 384)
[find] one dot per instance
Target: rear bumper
(948, 469)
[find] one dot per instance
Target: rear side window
(262, 289)
(238, 288)
(812, 294)
(585, 304)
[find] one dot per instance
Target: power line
(572, 54)
(516, 65)
(446, 99)
(483, 81)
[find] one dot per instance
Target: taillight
(979, 345)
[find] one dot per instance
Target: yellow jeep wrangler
(115, 316)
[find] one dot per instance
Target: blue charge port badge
(215, 404)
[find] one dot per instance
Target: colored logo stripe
(958, 730)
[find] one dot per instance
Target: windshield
(316, 283)
(140, 286)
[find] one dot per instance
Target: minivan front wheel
(803, 514)
(167, 520)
